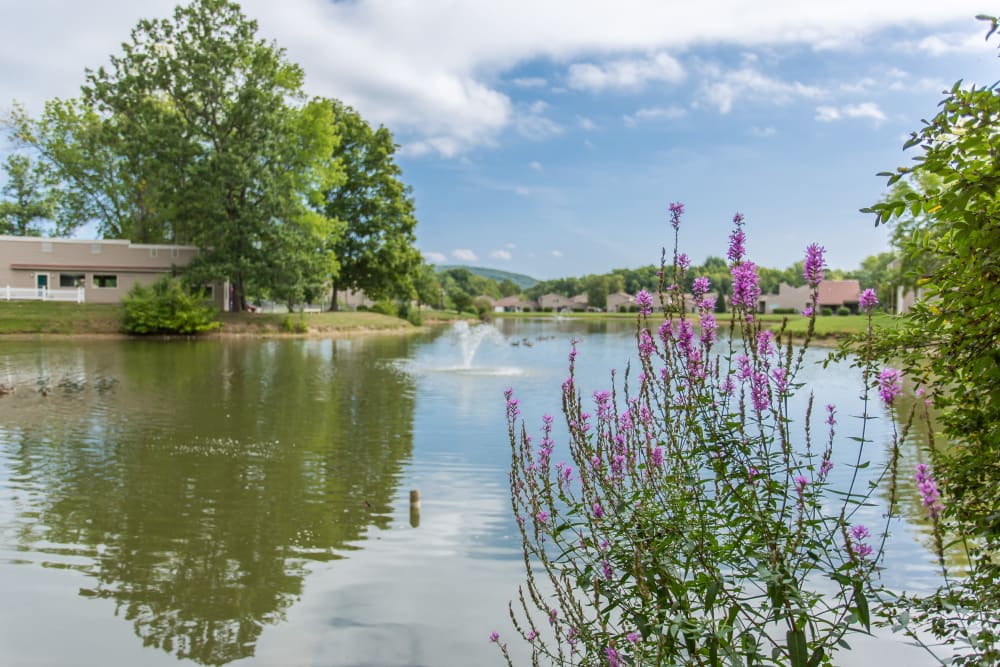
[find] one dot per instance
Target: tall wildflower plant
(694, 522)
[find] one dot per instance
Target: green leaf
(797, 650)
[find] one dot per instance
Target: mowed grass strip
(48, 317)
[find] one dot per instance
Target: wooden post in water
(415, 508)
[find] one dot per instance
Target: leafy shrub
(843, 310)
(826, 312)
(385, 307)
(784, 311)
(293, 325)
(166, 307)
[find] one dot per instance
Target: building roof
(839, 292)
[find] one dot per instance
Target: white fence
(41, 294)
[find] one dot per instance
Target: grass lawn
(312, 323)
(48, 317)
(33, 317)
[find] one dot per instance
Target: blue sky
(548, 138)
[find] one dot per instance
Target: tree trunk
(334, 306)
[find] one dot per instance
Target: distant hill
(519, 279)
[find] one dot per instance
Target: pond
(247, 501)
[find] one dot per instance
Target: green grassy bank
(38, 317)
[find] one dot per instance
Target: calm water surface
(246, 501)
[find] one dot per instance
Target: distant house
(581, 302)
(101, 271)
(514, 304)
(840, 293)
(619, 301)
(833, 294)
(555, 302)
(796, 298)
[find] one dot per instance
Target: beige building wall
(106, 269)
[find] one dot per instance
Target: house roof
(837, 292)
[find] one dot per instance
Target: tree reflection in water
(202, 482)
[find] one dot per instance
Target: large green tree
(375, 251)
(198, 132)
(26, 205)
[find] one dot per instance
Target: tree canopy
(198, 132)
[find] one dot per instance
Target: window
(153, 252)
(71, 280)
(46, 246)
(105, 280)
(95, 248)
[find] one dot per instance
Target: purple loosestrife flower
(606, 570)
(800, 484)
(752, 475)
(598, 511)
(683, 261)
(644, 301)
(813, 268)
(666, 331)
(831, 411)
(758, 389)
(765, 343)
(737, 239)
(613, 658)
(868, 300)
(633, 637)
(929, 494)
(676, 211)
(780, 376)
(494, 636)
(700, 287)
(646, 346)
(807, 311)
(746, 288)
(709, 329)
(542, 516)
(657, 456)
(532, 635)
(825, 467)
(858, 536)
(890, 384)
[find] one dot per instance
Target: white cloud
(435, 257)
(510, 246)
(653, 113)
(505, 255)
(625, 74)
(431, 71)
(557, 253)
(464, 255)
(763, 132)
(946, 43)
(535, 165)
(723, 89)
(586, 123)
(532, 123)
(529, 82)
(869, 110)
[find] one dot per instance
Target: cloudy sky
(547, 137)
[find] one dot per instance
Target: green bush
(166, 307)
(843, 310)
(385, 307)
(291, 325)
(784, 311)
(826, 312)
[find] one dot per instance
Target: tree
(596, 288)
(428, 288)
(198, 133)
(26, 202)
(376, 251)
(509, 288)
(950, 340)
